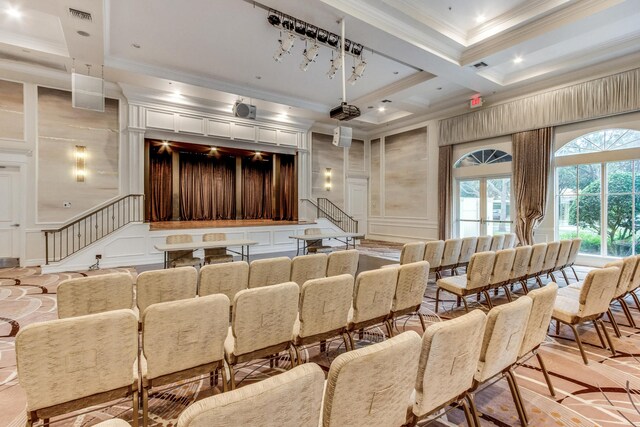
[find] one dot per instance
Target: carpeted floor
(586, 395)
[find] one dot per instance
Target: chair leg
(488, 298)
(574, 273)
(225, 380)
(232, 378)
(602, 344)
(517, 398)
(136, 408)
(466, 306)
(606, 335)
(525, 288)
(292, 356)
(145, 406)
(539, 281)
(437, 298)
(635, 299)
(389, 327)
(614, 323)
(351, 342)
(345, 338)
(564, 274)
(467, 413)
(557, 327)
(553, 277)
(627, 313)
(547, 378)
(579, 342)
(507, 292)
(474, 409)
(422, 322)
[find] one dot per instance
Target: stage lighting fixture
(288, 23)
(356, 49)
(312, 32)
(274, 19)
(310, 55)
(333, 40)
(358, 71)
(300, 27)
(335, 66)
(286, 43)
(347, 45)
(323, 35)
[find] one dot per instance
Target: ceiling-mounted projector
(245, 111)
(345, 112)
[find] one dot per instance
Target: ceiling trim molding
(395, 87)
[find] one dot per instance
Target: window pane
(567, 217)
(499, 199)
(619, 177)
(589, 223)
(470, 199)
(637, 231)
(469, 229)
(637, 176)
(589, 179)
(494, 228)
(619, 225)
(567, 180)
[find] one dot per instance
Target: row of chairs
(397, 382)
(506, 267)
(186, 258)
(190, 337)
(95, 294)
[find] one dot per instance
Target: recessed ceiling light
(480, 18)
(214, 149)
(83, 33)
(381, 109)
(136, 45)
(395, 72)
(14, 12)
(438, 88)
(370, 107)
(517, 60)
(258, 77)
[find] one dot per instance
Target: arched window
(483, 157)
(602, 140)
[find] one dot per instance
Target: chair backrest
(213, 237)
(497, 242)
(484, 244)
(448, 360)
(467, 249)
(94, 294)
(538, 253)
(179, 238)
(264, 317)
(412, 282)
(165, 285)
(433, 253)
(343, 262)
(312, 231)
(520, 262)
(325, 304)
(451, 252)
(563, 253)
(479, 270)
(215, 252)
(290, 399)
(179, 335)
(270, 271)
(597, 291)
(543, 301)
(502, 266)
(627, 269)
(373, 294)
(67, 359)
(412, 252)
(575, 248)
(228, 278)
(506, 326)
(510, 240)
(308, 267)
(355, 397)
(551, 256)
(634, 283)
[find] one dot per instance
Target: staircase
(77, 235)
(325, 208)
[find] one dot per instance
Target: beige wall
(60, 128)
(325, 155)
(11, 110)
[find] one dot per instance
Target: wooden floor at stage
(223, 223)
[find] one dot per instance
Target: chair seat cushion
(116, 422)
(567, 307)
(455, 284)
(185, 261)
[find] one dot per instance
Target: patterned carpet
(607, 392)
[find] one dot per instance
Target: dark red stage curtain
(207, 187)
(287, 188)
(257, 189)
(160, 183)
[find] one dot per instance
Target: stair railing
(328, 209)
(80, 233)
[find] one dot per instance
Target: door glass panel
(469, 208)
(498, 205)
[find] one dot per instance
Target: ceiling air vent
(79, 14)
(480, 65)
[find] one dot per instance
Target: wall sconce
(81, 156)
(327, 179)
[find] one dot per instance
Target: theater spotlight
(333, 40)
(274, 19)
(286, 43)
(356, 49)
(323, 35)
(358, 71)
(300, 27)
(310, 55)
(335, 66)
(288, 23)
(347, 45)
(312, 32)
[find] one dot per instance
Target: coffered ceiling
(426, 57)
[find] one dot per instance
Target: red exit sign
(475, 102)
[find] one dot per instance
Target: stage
(223, 223)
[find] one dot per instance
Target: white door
(484, 206)
(9, 213)
(357, 201)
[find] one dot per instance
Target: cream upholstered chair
(410, 288)
(291, 399)
(502, 266)
(634, 283)
(116, 422)
(69, 364)
(181, 340)
(450, 254)
(94, 294)
(343, 262)
(510, 241)
(228, 278)
(216, 255)
(448, 362)
(308, 267)
(503, 336)
(476, 280)
(165, 285)
(467, 249)
(497, 242)
(356, 397)
(538, 253)
(324, 311)
(573, 254)
(562, 259)
(315, 245)
(372, 299)
(520, 265)
(433, 255)
(484, 244)
(270, 271)
(182, 258)
(261, 324)
(412, 252)
(573, 308)
(550, 257)
(543, 301)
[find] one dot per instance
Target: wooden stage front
(223, 223)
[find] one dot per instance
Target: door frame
(20, 161)
(483, 200)
(358, 180)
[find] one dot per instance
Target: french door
(484, 206)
